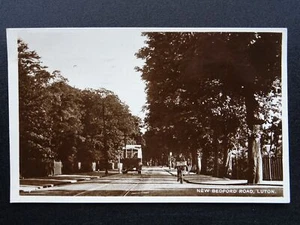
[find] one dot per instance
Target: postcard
(143, 115)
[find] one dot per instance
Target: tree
(179, 106)
(272, 128)
(108, 124)
(185, 73)
(167, 115)
(34, 123)
(66, 124)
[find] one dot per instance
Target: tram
(132, 158)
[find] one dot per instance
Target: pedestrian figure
(180, 166)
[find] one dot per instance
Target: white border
(12, 34)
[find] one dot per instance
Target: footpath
(32, 184)
(209, 180)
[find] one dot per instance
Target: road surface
(154, 181)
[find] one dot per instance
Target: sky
(94, 58)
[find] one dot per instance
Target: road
(154, 181)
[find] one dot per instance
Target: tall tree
(184, 72)
(66, 124)
(246, 64)
(108, 123)
(34, 123)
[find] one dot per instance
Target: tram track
(132, 188)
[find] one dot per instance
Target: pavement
(209, 180)
(32, 184)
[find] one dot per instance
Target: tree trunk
(195, 161)
(199, 166)
(216, 159)
(225, 155)
(258, 176)
(255, 157)
(251, 169)
(204, 162)
(251, 105)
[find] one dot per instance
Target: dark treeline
(60, 122)
(209, 93)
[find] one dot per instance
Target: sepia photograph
(148, 115)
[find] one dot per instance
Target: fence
(272, 168)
